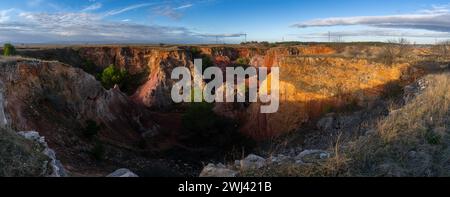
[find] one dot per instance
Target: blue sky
(202, 21)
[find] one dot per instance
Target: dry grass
(412, 141)
(20, 157)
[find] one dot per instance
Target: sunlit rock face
(314, 79)
(57, 99)
(311, 87)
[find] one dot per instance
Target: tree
(243, 61)
(112, 75)
(9, 49)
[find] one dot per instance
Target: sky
(222, 21)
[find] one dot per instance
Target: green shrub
(243, 61)
(91, 130)
(112, 75)
(9, 49)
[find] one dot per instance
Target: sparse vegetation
(412, 141)
(394, 50)
(20, 157)
(9, 49)
(441, 51)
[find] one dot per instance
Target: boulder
(123, 172)
(252, 162)
(312, 156)
(212, 170)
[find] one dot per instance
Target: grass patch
(20, 157)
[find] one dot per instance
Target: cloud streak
(129, 8)
(92, 7)
(436, 19)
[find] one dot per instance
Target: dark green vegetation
(9, 50)
(113, 75)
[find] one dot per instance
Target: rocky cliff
(57, 100)
(315, 79)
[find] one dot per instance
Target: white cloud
(184, 7)
(129, 8)
(92, 7)
(435, 19)
(235, 35)
(85, 27)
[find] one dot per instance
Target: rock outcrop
(123, 173)
(315, 79)
(57, 100)
(57, 169)
(219, 170)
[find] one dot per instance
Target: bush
(243, 60)
(91, 130)
(112, 75)
(9, 49)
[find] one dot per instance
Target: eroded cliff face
(312, 87)
(315, 79)
(57, 99)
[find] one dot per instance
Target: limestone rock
(312, 156)
(212, 170)
(123, 172)
(252, 162)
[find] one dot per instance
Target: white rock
(252, 162)
(123, 172)
(219, 170)
(309, 156)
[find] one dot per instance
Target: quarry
(333, 99)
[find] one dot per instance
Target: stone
(280, 159)
(252, 162)
(312, 156)
(212, 170)
(123, 172)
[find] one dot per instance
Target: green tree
(112, 75)
(9, 49)
(243, 61)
